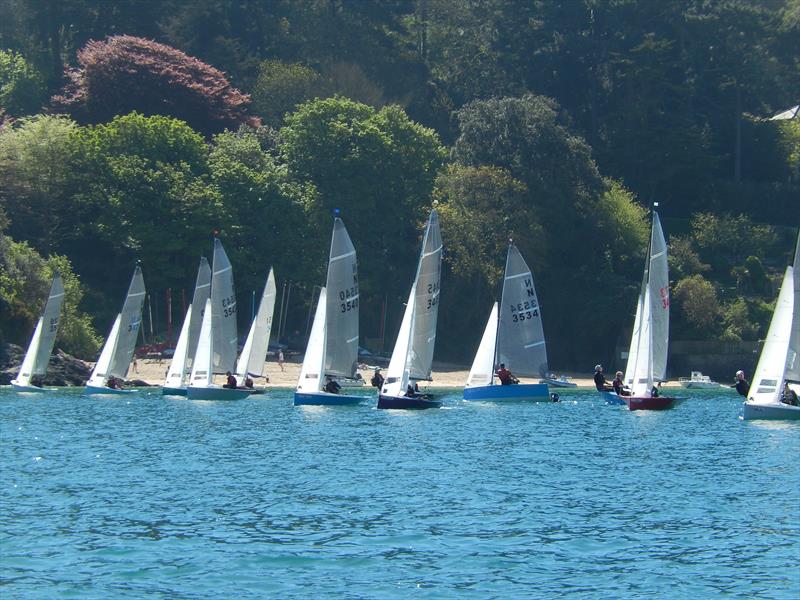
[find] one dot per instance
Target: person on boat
(377, 379)
(655, 391)
(113, 383)
(331, 385)
(505, 376)
(230, 381)
(789, 396)
(742, 385)
(410, 393)
(619, 385)
(600, 380)
(248, 383)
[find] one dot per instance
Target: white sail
(314, 359)
(520, 336)
(768, 378)
(658, 282)
(397, 374)
(40, 348)
(223, 305)
(633, 350)
(793, 355)
(130, 321)
(254, 351)
(426, 304)
(202, 372)
(177, 368)
(482, 371)
(202, 292)
(341, 356)
(100, 373)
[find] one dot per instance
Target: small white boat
(561, 381)
(44, 336)
(115, 357)
(779, 363)
(698, 381)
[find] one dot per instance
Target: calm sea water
(146, 496)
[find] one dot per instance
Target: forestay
(769, 374)
(520, 336)
(482, 371)
(202, 292)
(314, 359)
(341, 355)
(40, 348)
(254, 351)
(426, 302)
(129, 323)
(223, 307)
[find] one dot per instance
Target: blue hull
(404, 402)
(773, 412)
(520, 392)
(323, 399)
(171, 391)
(612, 398)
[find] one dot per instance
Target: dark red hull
(648, 403)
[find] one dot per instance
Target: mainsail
(520, 336)
(37, 356)
(341, 354)
(223, 306)
(254, 351)
(426, 303)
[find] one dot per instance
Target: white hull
(18, 387)
(783, 412)
(699, 385)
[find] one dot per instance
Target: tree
(21, 86)
(24, 284)
(725, 240)
(698, 302)
(281, 87)
(126, 73)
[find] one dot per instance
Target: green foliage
(725, 240)
(21, 87)
(37, 176)
(684, 260)
(281, 87)
(25, 279)
(756, 274)
(738, 323)
(698, 303)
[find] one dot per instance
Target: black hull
(404, 402)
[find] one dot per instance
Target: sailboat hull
(775, 412)
(649, 403)
(18, 387)
(325, 399)
(216, 393)
(404, 402)
(613, 398)
(93, 390)
(173, 391)
(521, 392)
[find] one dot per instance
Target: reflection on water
(155, 496)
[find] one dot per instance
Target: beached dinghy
(254, 351)
(115, 357)
(183, 358)
(779, 363)
(647, 357)
(514, 337)
(332, 349)
(39, 350)
(412, 357)
(217, 343)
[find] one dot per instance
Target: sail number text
(524, 310)
(229, 306)
(349, 299)
(433, 295)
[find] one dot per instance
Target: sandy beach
(153, 372)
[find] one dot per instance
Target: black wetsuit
(743, 387)
(600, 382)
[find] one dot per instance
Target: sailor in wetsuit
(742, 385)
(600, 380)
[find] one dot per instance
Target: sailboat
(44, 337)
(217, 342)
(182, 359)
(115, 357)
(647, 357)
(514, 337)
(779, 363)
(254, 351)
(412, 356)
(332, 349)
